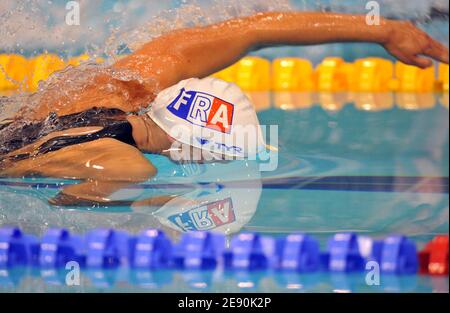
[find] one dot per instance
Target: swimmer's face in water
(149, 137)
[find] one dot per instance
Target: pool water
(370, 172)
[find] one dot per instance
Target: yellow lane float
(227, 74)
(413, 79)
(292, 74)
(333, 75)
(372, 75)
(256, 74)
(14, 72)
(253, 74)
(443, 77)
(43, 66)
(76, 61)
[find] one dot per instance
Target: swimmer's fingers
(421, 59)
(411, 59)
(413, 46)
(429, 48)
(436, 50)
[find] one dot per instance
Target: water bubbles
(187, 14)
(118, 7)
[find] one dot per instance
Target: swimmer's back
(19, 134)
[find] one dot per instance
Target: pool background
(374, 173)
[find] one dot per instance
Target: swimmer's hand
(412, 46)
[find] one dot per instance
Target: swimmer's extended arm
(198, 52)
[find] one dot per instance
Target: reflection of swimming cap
(209, 114)
(221, 206)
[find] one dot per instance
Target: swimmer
(97, 135)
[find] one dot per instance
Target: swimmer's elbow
(141, 171)
(150, 171)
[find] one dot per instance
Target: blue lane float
(199, 250)
(17, 248)
(58, 247)
(249, 251)
(108, 249)
(396, 255)
(299, 252)
(153, 250)
(343, 254)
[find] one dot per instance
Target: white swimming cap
(209, 114)
(221, 206)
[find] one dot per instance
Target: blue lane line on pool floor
(363, 183)
(331, 183)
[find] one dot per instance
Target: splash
(122, 36)
(69, 85)
(32, 26)
(191, 14)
